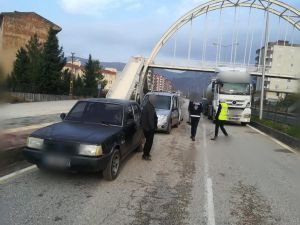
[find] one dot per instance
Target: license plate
(57, 161)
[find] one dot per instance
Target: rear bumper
(77, 163)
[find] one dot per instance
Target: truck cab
(236, 88)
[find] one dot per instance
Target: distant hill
(187, 82)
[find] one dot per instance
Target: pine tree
(92, 76)
(78, 86)
(19, 80)
(66, 77)
(34, 51)
(53, 61)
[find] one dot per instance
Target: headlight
(90, 150)
(248, 105)
(35, 143)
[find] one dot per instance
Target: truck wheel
(244, 124)
(112, 170)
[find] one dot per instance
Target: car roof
(161, 93)
(109, 100)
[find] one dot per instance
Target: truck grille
(236, 102)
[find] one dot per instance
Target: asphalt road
(33, 109)
(245, 179)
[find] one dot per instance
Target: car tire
(112, 170)
(169, 129)
(244, 124)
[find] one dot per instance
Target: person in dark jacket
(195, 114)
(221, 117)
(189, 110)
(149, 124)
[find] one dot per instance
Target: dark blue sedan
(96, 135)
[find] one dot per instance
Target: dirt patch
(250, 207)
(166, 202)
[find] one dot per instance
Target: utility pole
(262, 93)
(72, 75)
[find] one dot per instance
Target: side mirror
(62, 116)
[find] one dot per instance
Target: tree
(34, 51)
(78, 86)
(92, 76)
(19, 80)
(66, 78)
(53, 61)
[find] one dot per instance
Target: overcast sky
(114, 30)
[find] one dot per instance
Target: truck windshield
(97, 112)
(235, 89)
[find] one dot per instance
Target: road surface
(244, 179)
(33, 109)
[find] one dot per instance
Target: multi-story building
(16, 28)
(283, 59)
(150, 79)
(76, 68)
(161, 83)
(110, 75)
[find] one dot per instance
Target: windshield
(97, 112)
(163, 102)
(235, 89)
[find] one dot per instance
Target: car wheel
(169, 127)
(112, 170)
(244, 124)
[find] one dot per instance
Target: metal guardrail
(280, 117)
(32, 97)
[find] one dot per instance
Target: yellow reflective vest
(224, 111)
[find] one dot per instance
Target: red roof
(108, 72)
(76, 67)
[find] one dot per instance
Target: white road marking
(210, 209)
(31, 127)
(275, 140)
(17, 173)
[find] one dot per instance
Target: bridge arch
(281, 9)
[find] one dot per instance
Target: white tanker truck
(234, 86)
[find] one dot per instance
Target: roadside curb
(284, 138)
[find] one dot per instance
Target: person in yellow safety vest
(221, 117)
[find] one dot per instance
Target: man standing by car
(195, 114)
(221, 118)
(149, 124)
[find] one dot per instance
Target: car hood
(162, 112)
(77, 132)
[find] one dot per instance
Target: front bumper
(239, 115)
(162, 126)
(77, 163)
